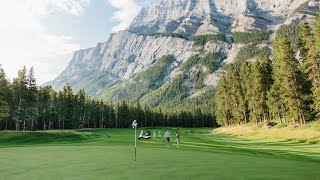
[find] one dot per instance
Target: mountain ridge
(111, 66)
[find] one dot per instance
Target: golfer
(159, 134)
(178, 139)
(167, 136)
(154, 134)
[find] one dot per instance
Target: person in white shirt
(154, 134)
(167, 136)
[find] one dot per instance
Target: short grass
(108, 154)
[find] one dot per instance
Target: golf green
(109, 154)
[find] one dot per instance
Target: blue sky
(45, 33)
(92, 27)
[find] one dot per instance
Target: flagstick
(135, 144)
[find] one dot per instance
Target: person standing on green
(167, 137)
(178, 139)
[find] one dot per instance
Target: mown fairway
(108, 154)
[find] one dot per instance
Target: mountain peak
(167, 29)
(192, 17)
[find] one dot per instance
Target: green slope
(108, 154)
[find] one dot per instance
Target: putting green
(108, 154)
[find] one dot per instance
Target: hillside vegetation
(292, 32)
(251, 51)
(256, 36)
(202, 40)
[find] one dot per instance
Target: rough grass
(309, 133)
(108, 154)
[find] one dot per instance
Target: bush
(251, 37)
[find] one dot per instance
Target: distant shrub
(251, 37)
(202, 40)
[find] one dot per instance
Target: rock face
(151, 36)
(191, 17)
(123, 55)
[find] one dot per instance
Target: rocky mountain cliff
(181, 42)
(190, 17)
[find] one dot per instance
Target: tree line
(26, 106)
(283, 90)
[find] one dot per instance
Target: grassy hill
(108, 154)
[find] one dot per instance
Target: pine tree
(68, 104)
(19, 90)
(81, 100)
(266, 82)
(60, 109)
(312, 65)
(304, 40)
(287, 79)
(236, 93)
(306, 45)
(53, 108)
(44, 105)
(261, 82)
(246, 84)
(31, 101)
(316, 32)
(223, 102)
(4, 97)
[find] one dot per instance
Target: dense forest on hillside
(279, 91)
(25, 106)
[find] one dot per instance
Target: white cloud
(127, 10)
(24, 41)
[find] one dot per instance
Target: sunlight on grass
(309, 133)
(105, 153)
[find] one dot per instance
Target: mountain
(194, 17)
(172, 52)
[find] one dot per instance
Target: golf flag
(134, 124)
